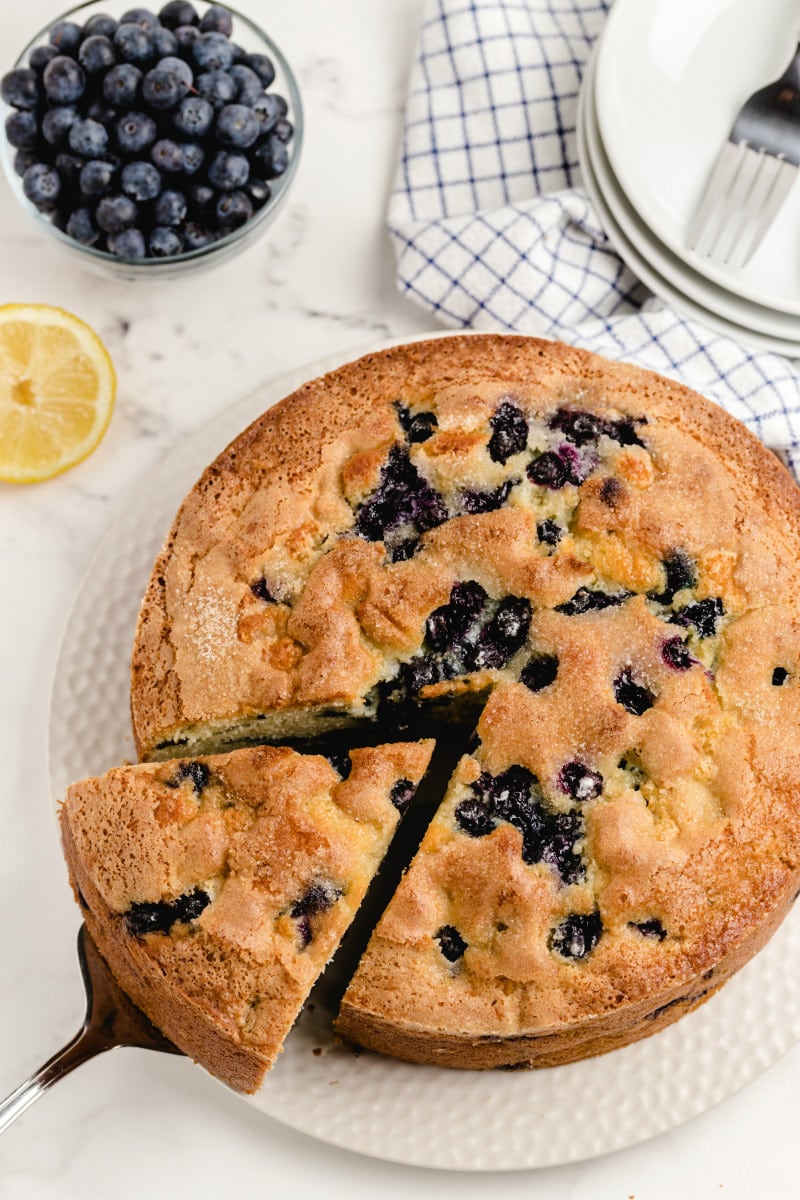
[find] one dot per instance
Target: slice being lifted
(218, 888)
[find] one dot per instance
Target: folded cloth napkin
(492, 229)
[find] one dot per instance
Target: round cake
(593, 573)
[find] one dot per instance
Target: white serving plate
(425, 1116)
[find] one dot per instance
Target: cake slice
(218, 888)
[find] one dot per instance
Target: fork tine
(781, 186)
(763, 178)
(719, 182)
(732, 204)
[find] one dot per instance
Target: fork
(111, 1020)
(752, 175)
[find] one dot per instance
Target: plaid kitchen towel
(492, 229)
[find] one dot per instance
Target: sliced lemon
(57, 389)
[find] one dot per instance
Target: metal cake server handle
(111, 1020)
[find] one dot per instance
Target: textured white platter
(425, 1116)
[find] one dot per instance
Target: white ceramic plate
(703, 291)
(642, 254)
(671, 77)
(426, 1116)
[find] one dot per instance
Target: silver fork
(752, 175)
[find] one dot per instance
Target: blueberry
(128, 244)
(283, 130)
(237, 126)
(249, 87)
(40, 56)
(233, 210)
(134, 44)
(164, 243)
(216, 87)
(474, 817)
(96, 54)
(420, 672)
(680, 572)
(135, 132)
(579, 426)
(141, 181)
(318, 897)
(82, 228)
(417, 427)
(24, 159)
(577, 935)
(88, 138)
(258, 190)
(402, 794)
(103, 112)
(451, 943)
(66, 36)
(483, 502)
(633, 696)
(20, 88)
(180, 68)
(22, 130)
(447, 626)
(702, 616)
(64, 80)
(261, 591)
(178, 12)
(57, 122)
(101, 26)
(186, 36)
(579, 781)
(193, 117)
(167, 156)
(162, 88)
(402, 497)
(217, 19)
(263, 67)
(142, 17)
(341, 762)
(212, 51)
(164, 42)
(268, 111)
(676, 654)
(42, 185)
(539, 672)
(624, 431)
(779, 676)
(651, 928)
(588, 600)
(549, 470)
(170, 208)
(549, 532)
(69, 167)
(197, 772)
(96, 177)
(193, 157)
(505, 633)
(196, 236)
(147, 917)
(203, 198)
(121, 84)
(509, 431)
(116, 214)
(272, 157)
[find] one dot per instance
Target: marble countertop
(321, 282)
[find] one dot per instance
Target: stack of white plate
(658, 99)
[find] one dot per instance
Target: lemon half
(57, 389)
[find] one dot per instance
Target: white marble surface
(132, 1124)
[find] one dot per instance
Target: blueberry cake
(217, 888)
(593, 563)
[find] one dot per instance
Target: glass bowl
(254, 40)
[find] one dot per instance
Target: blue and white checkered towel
(493, 231)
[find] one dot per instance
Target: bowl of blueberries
(150, 142)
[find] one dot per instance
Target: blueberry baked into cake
(592, 572)
(217, 888)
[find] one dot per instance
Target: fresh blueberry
(283, 130)
(402, 794)
(236, 126)
(417, 427)
(42, 185)
(170, 208)
(88, 138)
(703, 616)
(40, 56)
(203, 198)
(228, 171)
(634, 697)
(24, 159)
(20, 87)
(272, 157)
(263, 67)
(103, 112)
(482, 502)
(779, 676)
(165, 42)
(539, 672)
(233, 210)
(96, 178)
(504, 634)
(147, 917)
(101, 26)
(451, 943)
(181, 68)
(249, 87)
(167, 156)
(549, 532)
(268, 111)
(121, 84)
(164, 243)
(193, 157)
(676, 654)
(128, 244)
(217, 19)
(212, 51)
(142, 17)
(186, 36)
(96, 54)
(66, 36)
(162, 88)
(651, 928)
(134, 44)
(579, 781)
(82, 228)
(577, 935)
(141, 181)
(135, 132)
(680, 572)
(69, 167)
(509, 430)
(116, 214)
(64, 80)
(588, 600)
(193, 117)
(216, 87)
(22, 129)
(178, 12)
(196, 236)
